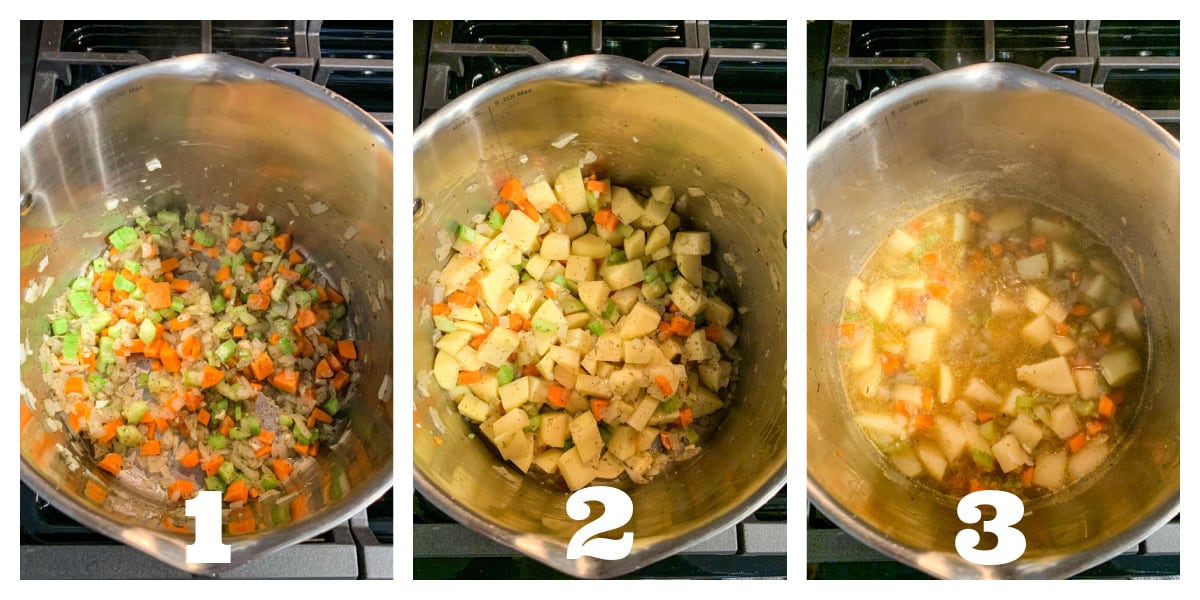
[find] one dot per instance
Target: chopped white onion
(44, 263)
(317, 208)
(563, 140)
(153, 164)
(351, 231)
(383, 387)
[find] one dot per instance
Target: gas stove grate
(352, 58)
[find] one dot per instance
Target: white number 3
(618, 510)
(1011, 542)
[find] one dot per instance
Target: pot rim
(598, 69)
(208, 68)
(989, 76)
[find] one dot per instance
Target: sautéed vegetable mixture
(201, 351)
(993, 346)
(578, 328)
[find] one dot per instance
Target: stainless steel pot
(1005, 131)
(644, 126)
(224, 131)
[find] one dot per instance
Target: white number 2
(1011, 542)
(618, 510)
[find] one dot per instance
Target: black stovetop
(851, 61)
(744, 60)
(352, 58)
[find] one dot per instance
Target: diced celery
(331, 406)
(279, 512)
(609, 310)
(251, 424)
(268, 481)
(96, 383)
(982, 459)
(221, 329)
(155, 316)
(133, 266)
(650, 274)
(71, 347)
(214, 484)
(125, 285)
(81, 303)
(466, 234)
(988, 430)
(243, 314)
(98, 321)
(99, 264)
(143, 380)
(129, 435)
(218, 304)
(204, 238)
(81, 284)
(495, 221)
(285, 420)
(237, 433)
(668, 277)
(596, 327)
(227, 472)
(59, 326)
(671, 404)
(624, 230)
(285, 344)
(616, 257)
(134, 411)
(504, 375)
(177, 304)
(226, 349)
(534, 422)
(106, 351)
(168, 217)
(123, 237)
(216, 441)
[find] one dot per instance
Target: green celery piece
(495, 221)
(303, 269)
(81, 303)
(99, 264)
(106, 351)
(71, 347)
(59, 326)
(123, 284)
(1024, 402)
(624, 230)
(243, 314)
(988, 430)
(81, 284)
(504, 375)
(154, 316)
(466, 234)
(650, 274)
(216, 441)
(268, 481)
(285, 420)
(544, 326)
(134, 411)
(143, 380)
(218, 304)
(596, 327)
(96, 382)
(701, 319)
(238, 259)
(142, 221)
(130, 436)
(250, 422)
(668, 277)
(146, 331)
(616, 257)
(214, 484)
(219, 406)
(237, 412)
(177, 304)
(168, 217)
(237, 433)
(337, 311)
(204, 238)
(285, 344)
(605, 432)
(226, 349)
(133, 266)
(982, 459)
(609, 310)
(671, 404)
(123, 237)
(280, 514)
(98, 321)
(534, 422)
(331, 406)
(692, 436)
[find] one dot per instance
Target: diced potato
(1119, 365)
(641, 321)
(699, 349)
(609, 467)
(515, 393)
(536, 266)
(659, 238)
(499, 344)
(867, 382)
(642, 412)
(919, 348)
(1050, 470)
(468, 359)
(962, 233)
(470, 314)
(454, 341)
(1034, 267)
(564, 356)
(717, 311)
(907, 393)
(554, 429)
(586, 436)
(568, 187)
(950, 437)
(593, 386)
(510, 424)
(900, 242)
(1049, 229)
(1102, 318)
(1035, 300)
(623, 275)
(594, 295)
(1006, 219)
(445, 370)
(883, 427)
(692, 243)
(1090, 456)
(937, 314)
(610, 347)
(522, 230)
(1027, 431)
(625, 205)
(591, 246)
(1064, 345)
(473, 408)
(854, 292)
(458, 271)
(906, 461)
(575, 471)
(879, 299)
(689, 267)
(626, 299)
(715, 374)
(1127, 323)
(1087, 381)
(1009, 454)
(1056, 312)
(556, 246)
(657, 208)
(1097, 288)
(863, 355)
(1052, 376)
(1063, 421)
(547, 460)
(1038, 331)
(1003, 305)
(500, 252)
(549, 312)
(1063, 257)
(517, 448)
(689, 298)
(635, 244)
(580, 269)
(638, 351)
(540, 195)
(932, 459)
(945, 383)
(496, 288)
(704, 402)
(982, 394)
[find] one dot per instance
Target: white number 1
(618, 510)
(206, 508)
(1010, 542)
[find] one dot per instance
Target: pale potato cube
(1063, 421)
(609, 467)
(962, 232)
(1056, 312)
(1127, 323)
(659, 238)
(1009, 454)
(854, 292)
(518, 449)
(1034, 267)
(715, 374)
(1090, 456)
(900, 242)
(945, 383)
(593, 386)
(704, 402)
(496, 288)
(641, 321)
(639, 351)
(445, 370)
(932, 459)
(512, 423)
(473, 408)
(581, 268)
(1097, 288)
(623, 275)
(575, 471)
(470, 314)
(919, 348)
(689, 298)
(547, 460)
(454, 341)
(457, 272)
(692, 243)
(642, 412)
(565, 357)
(625, 205)
(499, 344)
(624, 383)
(536, 266)
(594, 295)
(882, 427)
(522, 230)
(1119, 365)
(568, 187)
(863, 355)
(610, 347)
(867, 382)
(1003, 305)
(591, 246)
(540, 195)
(554, 429)
(717, 311)
(1052, 376)
(1035, 300)
(950, 437)
(937, 314)
(689, 267)
(1063, 257)
(586, 436)
(1087, 381)
(623, 442)
(1038, 331)
(556, 246)
(1028, 431)
(982, 393)
(635, 244)
(879, 299)
(1064, 345)
(657, 208)
(514, 393)
(1050, 470)
(906, 461)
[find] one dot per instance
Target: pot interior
(995, 131)
(211, 130)
(640, 132)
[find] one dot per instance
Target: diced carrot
(170, 360)
(213, 463)
(181, 489)
(606, 219)
(975, 216)
(598, 406)
(158, 295)
(192, 399)
(549, 293)
(322, 370)
(266, 284)
(212, 376)
(513, 190)
(286, 380)
(685, 416)
(1095, 427)
(94, 492)
(712, 333)
(180, 323)
(1107, 407)
(266, 436)
(1104, 337)
(226, 425)
(236, 492)
(227, 291)
(257, 256)
(1027, 476)
(1077, 442)
(283, 241)
(204, 416)
(170, 264)
(503, 208)
(225, 273)
(1061, 329)
(559, 213)
(234, 245)
(258, 301)
(262, 451)
(846, 331)
(347, 350)
(557, 395)
(301, 449)
(891, 364)
(340, 379)
(180, 285)
(305, 318)
(997, 248)
(597, 185)
(985, 416)
(469, 377)
(682, 326)
(294, 258)
(664, 385)
(262, 366)
(111, 463)
(320, 415)
(461, 299)
(282, 468)
(150, 448)
(975, 486)
(110, 430)
(477, 341)
(1037, 243)
(190, 459)
(924, 421)
(1081, 310)
(74, 385)
(665, 439)
(239, 331)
